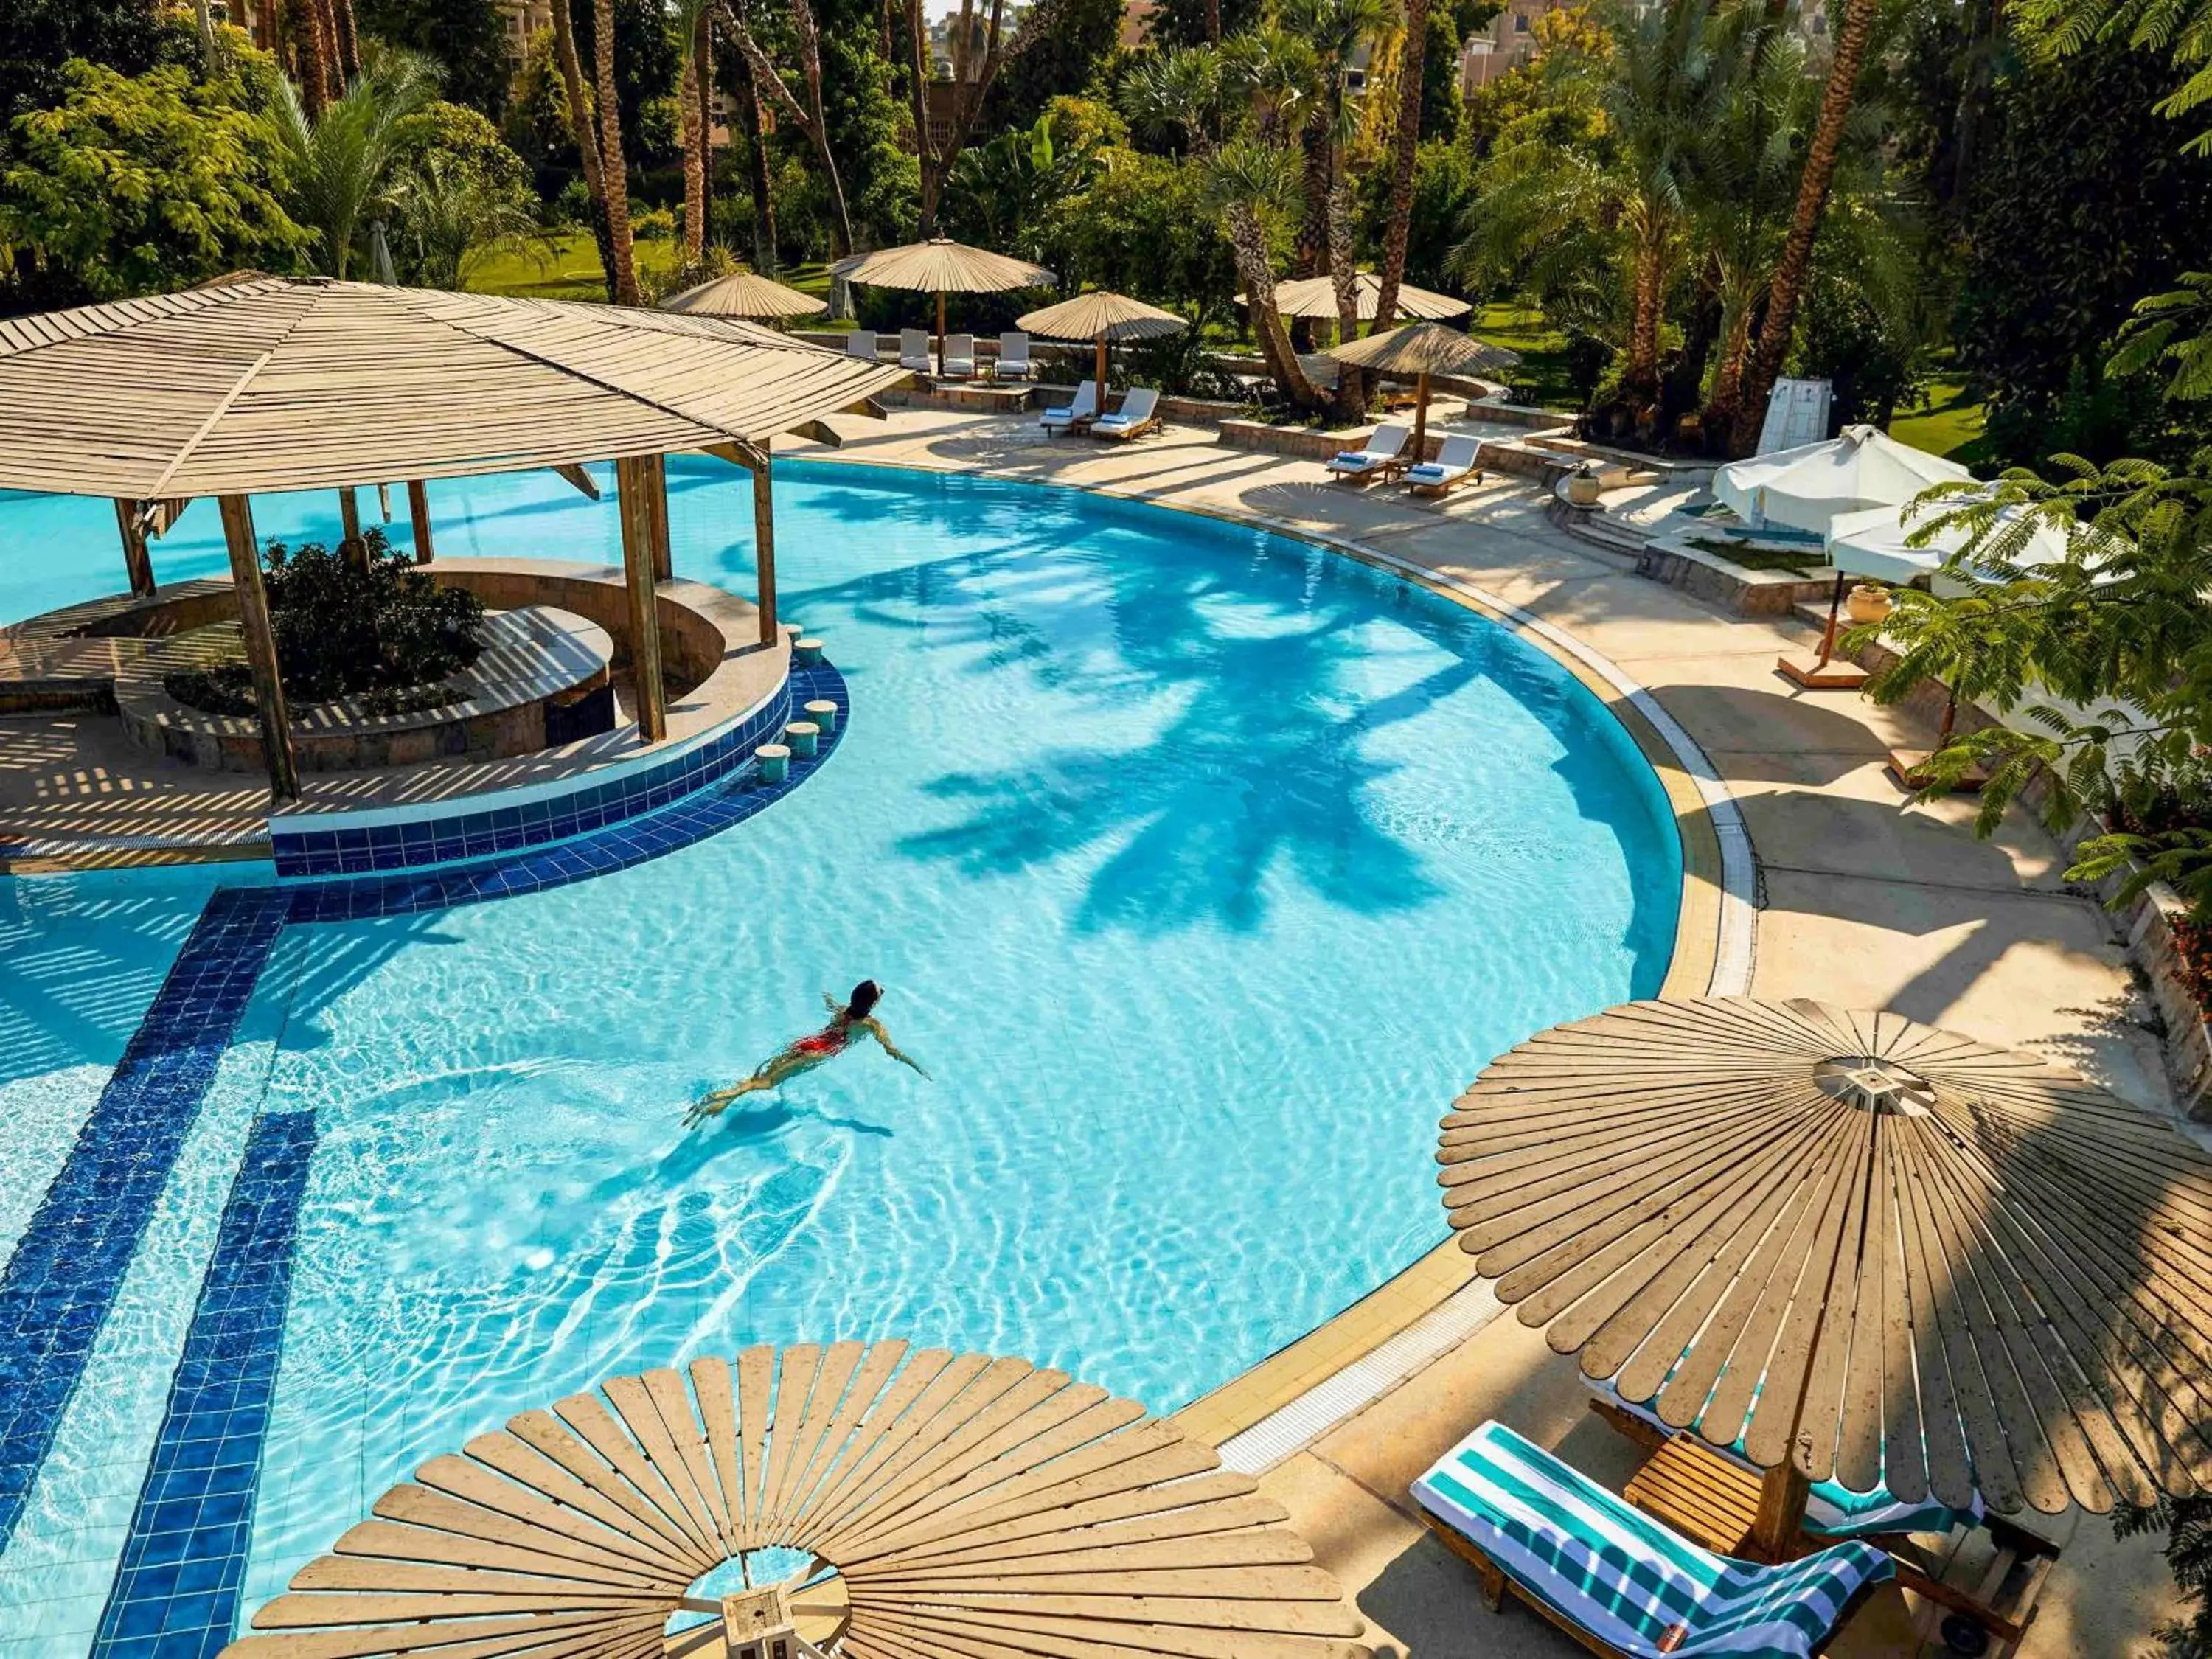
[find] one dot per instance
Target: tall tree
(467, 38)
(1406, 147)
(810, 117)
(758, 179)
(38, 38)
(1196, 93)
(1792, 272)
(614, 171)
(579, 95)
(694, 109)
(980, 53)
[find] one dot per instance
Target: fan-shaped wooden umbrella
(744, 294)
(949, 1506)
(1857, 1247)
(942, 266)
(1421, 349)
(1102, 316)
(1316, 297)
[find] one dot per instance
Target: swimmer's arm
(832, 1004)
(877, 1031)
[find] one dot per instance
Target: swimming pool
(1203, 866)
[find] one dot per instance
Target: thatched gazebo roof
(952, 1506)
(744, 294)
(275, 384)
(1854, 1245)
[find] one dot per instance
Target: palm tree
(694, 97)
(1792, 270)
(337, 167)
(614, 171)
(1410, 57)
(579, 95)
(448, 219)
(1193, 92)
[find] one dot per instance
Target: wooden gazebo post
(418, 514)
(640, 491)
(755, 459)
(260, 641)
(135, 559)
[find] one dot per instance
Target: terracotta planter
(1868, 604)
(1582, 489)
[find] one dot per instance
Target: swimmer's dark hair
(866, 995)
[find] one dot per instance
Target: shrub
(653, 225)
(344, 631)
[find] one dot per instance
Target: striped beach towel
(1612, 1570)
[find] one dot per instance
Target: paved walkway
(1864, 902)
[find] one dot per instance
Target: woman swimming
(809, 1052)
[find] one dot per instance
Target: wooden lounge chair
(1616, 1580)
(2001, 1584)
(1013, 363)
(1140, 413)
(1453, 466)
(861, 343)
(959, 357)
(914, 350)
(1383, 455)
(1072, 416)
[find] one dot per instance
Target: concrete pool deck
(1862, 901)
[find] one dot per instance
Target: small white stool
(823, 713)
(774, 760)
(803, 736)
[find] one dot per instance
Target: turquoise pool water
(1203, 868)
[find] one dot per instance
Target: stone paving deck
(1864, 902)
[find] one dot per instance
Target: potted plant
(1583, 486)
(1869, 602)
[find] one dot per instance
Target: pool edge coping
(1714, 948)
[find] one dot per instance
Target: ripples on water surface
(1203, 868)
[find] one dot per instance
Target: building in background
(525, 19)
(1508, 41)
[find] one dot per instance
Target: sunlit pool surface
(1203, 868)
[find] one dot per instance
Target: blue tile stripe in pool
(446, 839)
(66, 1269)
(616, 847)
(184, 1558)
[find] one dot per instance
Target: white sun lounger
(861, 343)
(1139, 412)
(1383, 455)
(1013, 358)
(914, 350)
(1074, 416)
(1453, 464)
(959, 357)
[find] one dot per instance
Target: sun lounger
(1453, 464)
(861, 343)
(1074, 416)
(1383, 455)
(1013, 363)
(1139, 412)
(959, 357)
(914, 350)
(1613, 1578)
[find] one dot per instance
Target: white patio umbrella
(1805, 488)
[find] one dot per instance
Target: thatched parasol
(744, 294)
(1867, 1250)
(941, 266)
(276, 383)
(1103, 316)
(1316, 297)
(1421, 349)
(951, 1505)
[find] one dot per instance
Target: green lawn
(1521, 328)
(1944, 424)
(567, 268)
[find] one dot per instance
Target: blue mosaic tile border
(63, 1278)
(184, 1559)
(617, 848)
(433, 840)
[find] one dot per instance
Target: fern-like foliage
(2187, 1524)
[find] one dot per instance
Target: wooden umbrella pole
(1102, 371)
(1421, 418)
(940, 334)
(1828, 637)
